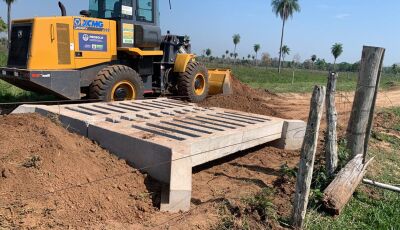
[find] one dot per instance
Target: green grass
(253, 212)
(10, 93)
(3, 58)
(370, 208)
(304, 80)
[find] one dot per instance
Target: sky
(212, 23)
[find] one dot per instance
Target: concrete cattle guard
(166, 138)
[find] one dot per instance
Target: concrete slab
(167, 138)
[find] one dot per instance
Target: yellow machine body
(55, 43)
(220, 81)
(63, 55)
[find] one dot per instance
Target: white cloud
(342, 16)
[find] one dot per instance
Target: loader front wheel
(117, 83)
(193, 83)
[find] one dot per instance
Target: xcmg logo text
(83, 24)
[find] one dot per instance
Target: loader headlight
(16, 74)
(3, 72)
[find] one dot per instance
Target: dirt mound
(52, 178)
(246, 99)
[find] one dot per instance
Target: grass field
(258, 77)
(372, 208)
(303, 81)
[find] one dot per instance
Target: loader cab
(137, 20)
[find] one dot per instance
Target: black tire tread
(107, 77)
(185, 80)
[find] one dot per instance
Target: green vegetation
(3, 26)
(254, 212)
(337, 50)
(304, 80)
(10, 93)
(3, 58)
(371, 208)
(261, 203)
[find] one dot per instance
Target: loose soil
(51, 178)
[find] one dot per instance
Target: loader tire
(117, 83)
(193, 83)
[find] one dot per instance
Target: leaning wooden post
(308, 150)
(339, 192)
(363, 100)
(331, 149)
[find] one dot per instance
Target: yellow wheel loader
(113, 51)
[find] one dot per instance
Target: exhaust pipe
(62, 8)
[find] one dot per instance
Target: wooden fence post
(370, 68)
(307, 157)
(331, 149)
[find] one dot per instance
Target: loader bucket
(220, 81)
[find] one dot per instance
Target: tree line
(285, 10)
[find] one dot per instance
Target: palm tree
(236, 41)
(337, 50)
(9, 3)
(284, 9)
(248, 56)
(208, 53)
(256, 47)
(313, 59)
(227, 52)
(285, 51)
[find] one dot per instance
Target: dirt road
(296, 106)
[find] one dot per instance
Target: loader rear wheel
(193, 83)
(117, 83)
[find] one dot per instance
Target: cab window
(145, 11)
(105, 8)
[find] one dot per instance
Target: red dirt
(52, 178)
(246, 99)
(42, 164)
